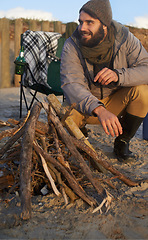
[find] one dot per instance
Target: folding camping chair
(47, 61)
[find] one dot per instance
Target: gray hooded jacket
(130, 61)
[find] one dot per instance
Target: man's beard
(95, 39)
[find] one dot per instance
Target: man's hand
(109, 121)
(106, 76)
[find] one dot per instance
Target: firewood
(14, 121)
(106, 202)
(43, 143)
(53, 172)
(16, 135)
(40, 132)
(64, 188)
(70, 124)
(49, 175)
(42, 126)
(102, 159)
(14, 186)
(64, 195)
(61, 160)
(57, 154)
(60, 155)
(65, 136)
(6, 181)
(67, 190)
(11, 141)
(5, 124)
(23, 122)
(9, 132)
(12, 154)
(68, 112)
(26, 159)
(72, 182)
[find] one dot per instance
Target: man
(104, 70)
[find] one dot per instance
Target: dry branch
(26, 160)
(102, 160)
(16, 135)
(67, 190)
(59, 152)
(6, 181)
(56, 191)
(66, 138)
(72, 182)
(70, 124)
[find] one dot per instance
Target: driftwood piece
(6, 181)
(67, 190)
(51, 169)
(72, 182)
(102, 159)
(11, 154)
(43, 126)
(56, 191)
(43, 141)
(25, 161)
(9, 132)
(4, 124)
(66, 138)
(17, 134)
(11, 141)
(63, 186)
(59, 152)
(10, 123)
(70, 124)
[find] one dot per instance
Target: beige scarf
(100, 56)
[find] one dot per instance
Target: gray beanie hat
(100, 9)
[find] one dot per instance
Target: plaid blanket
(36, 46)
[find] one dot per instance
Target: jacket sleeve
(135, 71)
(73, 81)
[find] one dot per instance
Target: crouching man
(104, 70)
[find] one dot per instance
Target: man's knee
(138, 104)
(141, 94)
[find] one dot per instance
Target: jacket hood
(121, 33)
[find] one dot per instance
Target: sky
(127, 12)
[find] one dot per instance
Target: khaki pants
(133, 100)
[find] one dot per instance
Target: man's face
(91, 30)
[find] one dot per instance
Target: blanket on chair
(37, 45)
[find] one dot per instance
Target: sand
(127, 217)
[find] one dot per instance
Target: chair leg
(21, 93)
(34, 97)
(25, 100)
